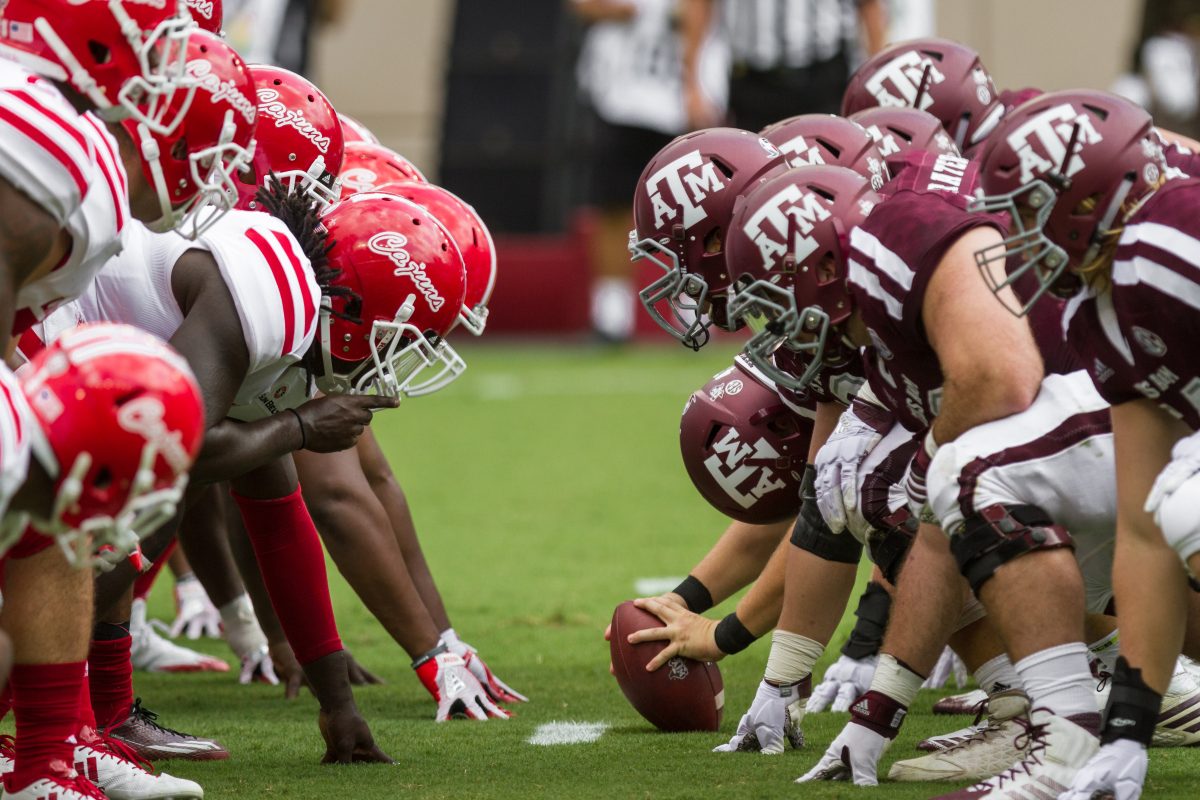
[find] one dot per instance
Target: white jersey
(270, 279)
(16, 435)
(69, 165)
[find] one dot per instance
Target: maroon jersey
(1181, 161)
(1139, 338)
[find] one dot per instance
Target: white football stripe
(552, 733)
(648, 587)
(888, 262)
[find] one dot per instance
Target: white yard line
(552, 733)
(649, 587)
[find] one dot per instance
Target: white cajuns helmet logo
(768, 226)
(392, 245)
(899, 80)
(689, 180)
(1041, 142)
(359, 179)
(202, 7)
(270, 106)
(731, 473)
(221, 91)
(144, 416)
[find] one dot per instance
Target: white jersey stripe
(1164, 237)
(108, 161)
(888, 262)
(869, 282)
(1142, 270)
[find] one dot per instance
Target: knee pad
(993, 536)
(812, 534)
(889, 544)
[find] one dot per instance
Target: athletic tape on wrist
(895, 680)
(732, 636)
(695, 594)
(792, 657)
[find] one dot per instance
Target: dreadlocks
(297, 211)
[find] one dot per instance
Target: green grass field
(544, 483)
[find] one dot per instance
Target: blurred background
(542, 112)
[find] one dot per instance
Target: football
(682, 695)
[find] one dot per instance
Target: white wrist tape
(792, 657)
(896, 681)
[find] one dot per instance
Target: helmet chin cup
(684, 293)
(474, 320)
(770, 311)
(1026, 246)
(315, 182)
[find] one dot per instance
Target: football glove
(456, 691)
(774, 718)
(859, 429)
(498, 690)
(845, 680)
(1118, 770)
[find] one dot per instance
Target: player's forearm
(872, 15)
(232, 449)
(759, 609)
(738, 557)
(984, 396)
(695, 23)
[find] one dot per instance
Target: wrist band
(430, 655)
(1133, 707)
(303, 435)
(732, 636)
(695, 594)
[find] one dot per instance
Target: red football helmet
(942, 77)
(812, 139)
(299, 138)
(681, 207)
(121, 421)
(789, 245)
(354, 131)
(745, 450)
(126, 57)
(900, 131)
(408, 282)
(195, 169)
(470, 234)
(208, 14)
(368, 166)
(1064, 166)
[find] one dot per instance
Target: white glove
(948, 664)
(844, 681)
(1118, 770)
(498, 690)
(854, 755)
(775, 714)
(248, 642)
(195, 615)
(456, 691)
(1185, 462)
(859, 429)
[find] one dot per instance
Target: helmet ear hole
(103, 478)
(99, 52)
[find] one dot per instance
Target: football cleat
(1055, 749)
(993, 746)
(69, 786)
(113, 767)
(966, 703)
(1179, 719)
(152, 653)
(152, 742)
(936, 744)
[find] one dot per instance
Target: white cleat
(989, 748)
(152, 653)
(121, 778)
(1057, 749)
(1179, 717)
(966, 703)
(68, 786)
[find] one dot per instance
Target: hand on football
(334, 422)
(773, 719)
(845, 680)
(687, 634)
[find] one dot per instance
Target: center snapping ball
(682, 695)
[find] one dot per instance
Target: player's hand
(949, 664)
(497, 690)
(248, 642)
(845, 680)
(858, 431)
(773, 719)
(915, 481)
(455, 690)
(687, 634)
(360, 675)
(854, 755)
(195, 615)
(288, 670)
(334, 422)
(348, 740)
(701, 111)
(1117, 771)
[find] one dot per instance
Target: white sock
(612, 307)
(1103, 653)
(997, 675)
(1058, 679)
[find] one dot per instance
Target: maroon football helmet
(942, 77)
(788, 245)
(681, 208)
(1063, 166)
(813, 139)
(743, 448)
(900, 131)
